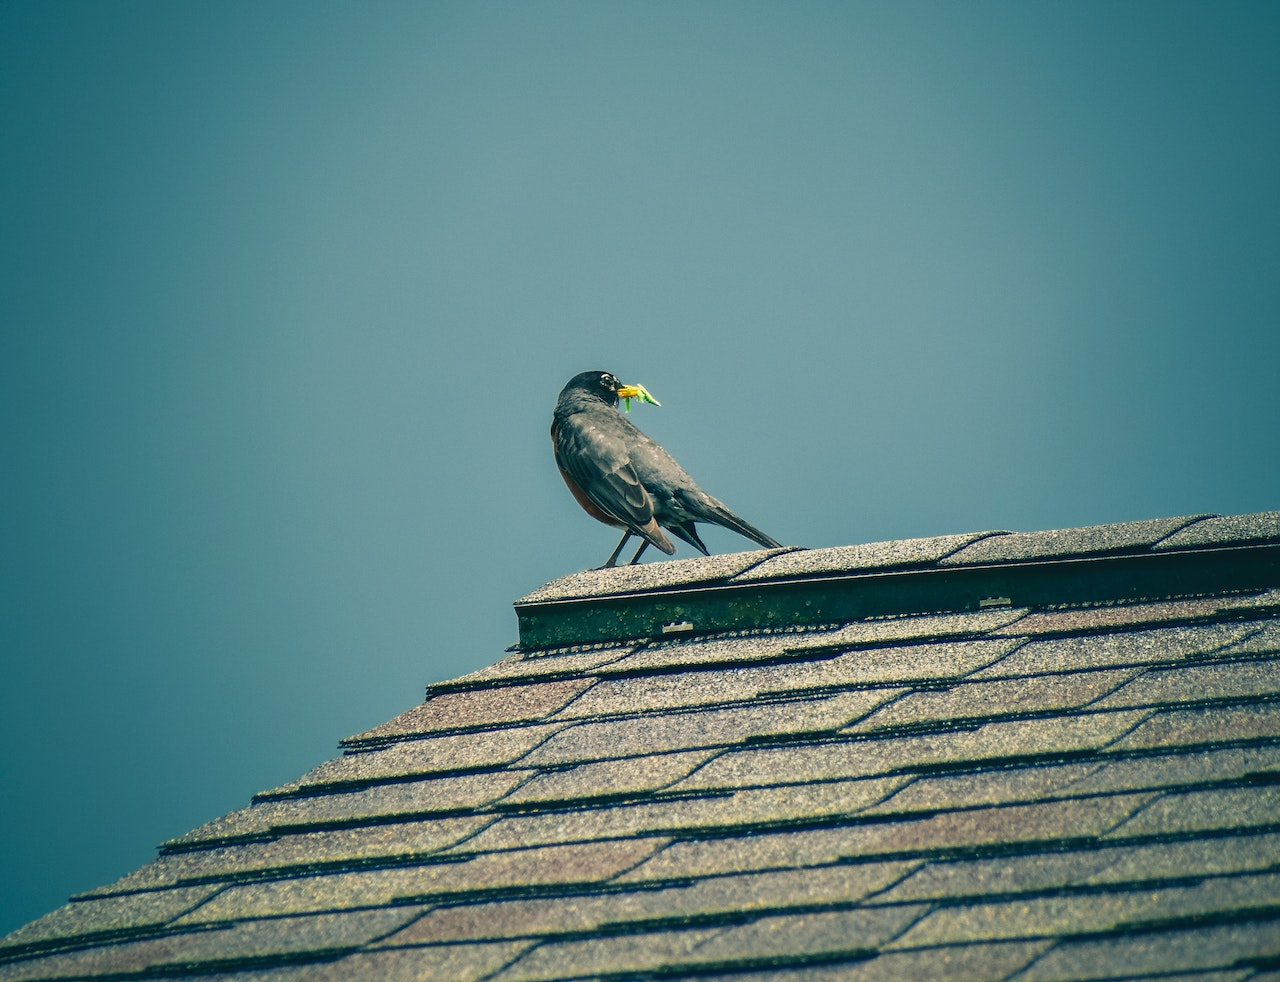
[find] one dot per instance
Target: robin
(624, 479)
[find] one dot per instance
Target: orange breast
(587, 504)
(581, 496)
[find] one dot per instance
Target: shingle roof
(911, 760)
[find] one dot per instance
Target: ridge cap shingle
(771, 589)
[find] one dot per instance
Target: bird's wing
(679, 502)
(596, 457)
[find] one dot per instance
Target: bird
(623, 478)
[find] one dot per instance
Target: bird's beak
(630, 392)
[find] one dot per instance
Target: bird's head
(602, 386)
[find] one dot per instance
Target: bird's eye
(607, 381)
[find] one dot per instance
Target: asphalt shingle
(947, 792)
(849, 933)
(1001, 697)
(1160, 646)
(1213, 809)
(632, 736)
(980, 879)
(972, 746)
(485, 749)
(1217, 531)
(899, 554)
(719, 897)
(455, 962)
(653, 576)
(1178, 768)
(1094, 912)
(1179, 859)
(106, 915)
(752, 807)
(627, 777)
(1094, 619)
(262, 940)
(385, 844)
(1264, 641)
(1179, 949)
(400, 800)
(1198, 683)
(1198, 727)
(535, 665)
(1098, 539)
(472, 709)
(794, 645)
(946, 963)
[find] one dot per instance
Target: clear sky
(288, 291)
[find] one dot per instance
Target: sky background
(288, 291)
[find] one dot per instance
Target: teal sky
(288, 292)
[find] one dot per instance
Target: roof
(1026, 756)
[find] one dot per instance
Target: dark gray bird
(624, 479)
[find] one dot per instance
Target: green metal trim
(765, 604)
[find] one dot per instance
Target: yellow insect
(636, 391)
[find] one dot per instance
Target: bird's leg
(613, 560)
(644, 544)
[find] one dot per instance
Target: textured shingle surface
(1046, 792)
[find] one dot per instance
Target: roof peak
(765, 589)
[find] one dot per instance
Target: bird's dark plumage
(624, 479)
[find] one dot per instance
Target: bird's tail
(689, 532)
(723, 516)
